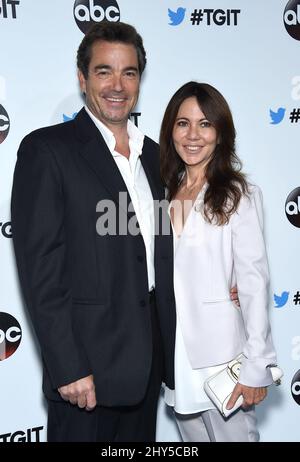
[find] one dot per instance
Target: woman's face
(194, 137)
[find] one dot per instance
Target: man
(106, 336)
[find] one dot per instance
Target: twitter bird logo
(67, 118)
(281, 300)
(278, 116)
(176, 17)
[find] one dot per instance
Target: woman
(218, 241)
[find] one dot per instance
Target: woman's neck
(193, 178)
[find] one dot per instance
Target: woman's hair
(110, 32)
(226, 182)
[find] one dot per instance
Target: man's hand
(234, 295)
(80, 393)
(251, 395)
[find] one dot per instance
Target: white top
(189, 396)
(137, 184)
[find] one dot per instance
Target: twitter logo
(278, 116)
(280, 300)
(176, 17)
(67, 118)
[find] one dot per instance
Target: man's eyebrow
(107, 67)
(131, 68)
(101, 66)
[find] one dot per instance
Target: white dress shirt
(137, 185)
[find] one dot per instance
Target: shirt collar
(136, 137)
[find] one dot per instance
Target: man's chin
(117, 119)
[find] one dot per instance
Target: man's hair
(110, 32)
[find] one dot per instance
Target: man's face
(112, 86)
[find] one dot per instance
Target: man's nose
(117, 82)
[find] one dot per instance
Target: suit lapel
(96, 153)
(147, 160)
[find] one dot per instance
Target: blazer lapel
(149, 168)
(96, 153)
(163, 229)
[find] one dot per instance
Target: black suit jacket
(88, 294)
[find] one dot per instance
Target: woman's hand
(251, 395)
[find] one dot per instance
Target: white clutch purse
(219, 386)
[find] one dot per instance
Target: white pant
(210, 426)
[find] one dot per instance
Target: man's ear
(82, 81)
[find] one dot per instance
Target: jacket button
(143, 303)
(140, 258)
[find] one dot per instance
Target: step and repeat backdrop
(250, 51)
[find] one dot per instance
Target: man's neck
(122, 139)
(119, 131)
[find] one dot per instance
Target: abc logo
(4, 124)
(6, 229)
(291, 18)
(87, 12)
(295, 387)
(292, 207)
(10, 335)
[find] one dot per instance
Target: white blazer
(209, 260)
